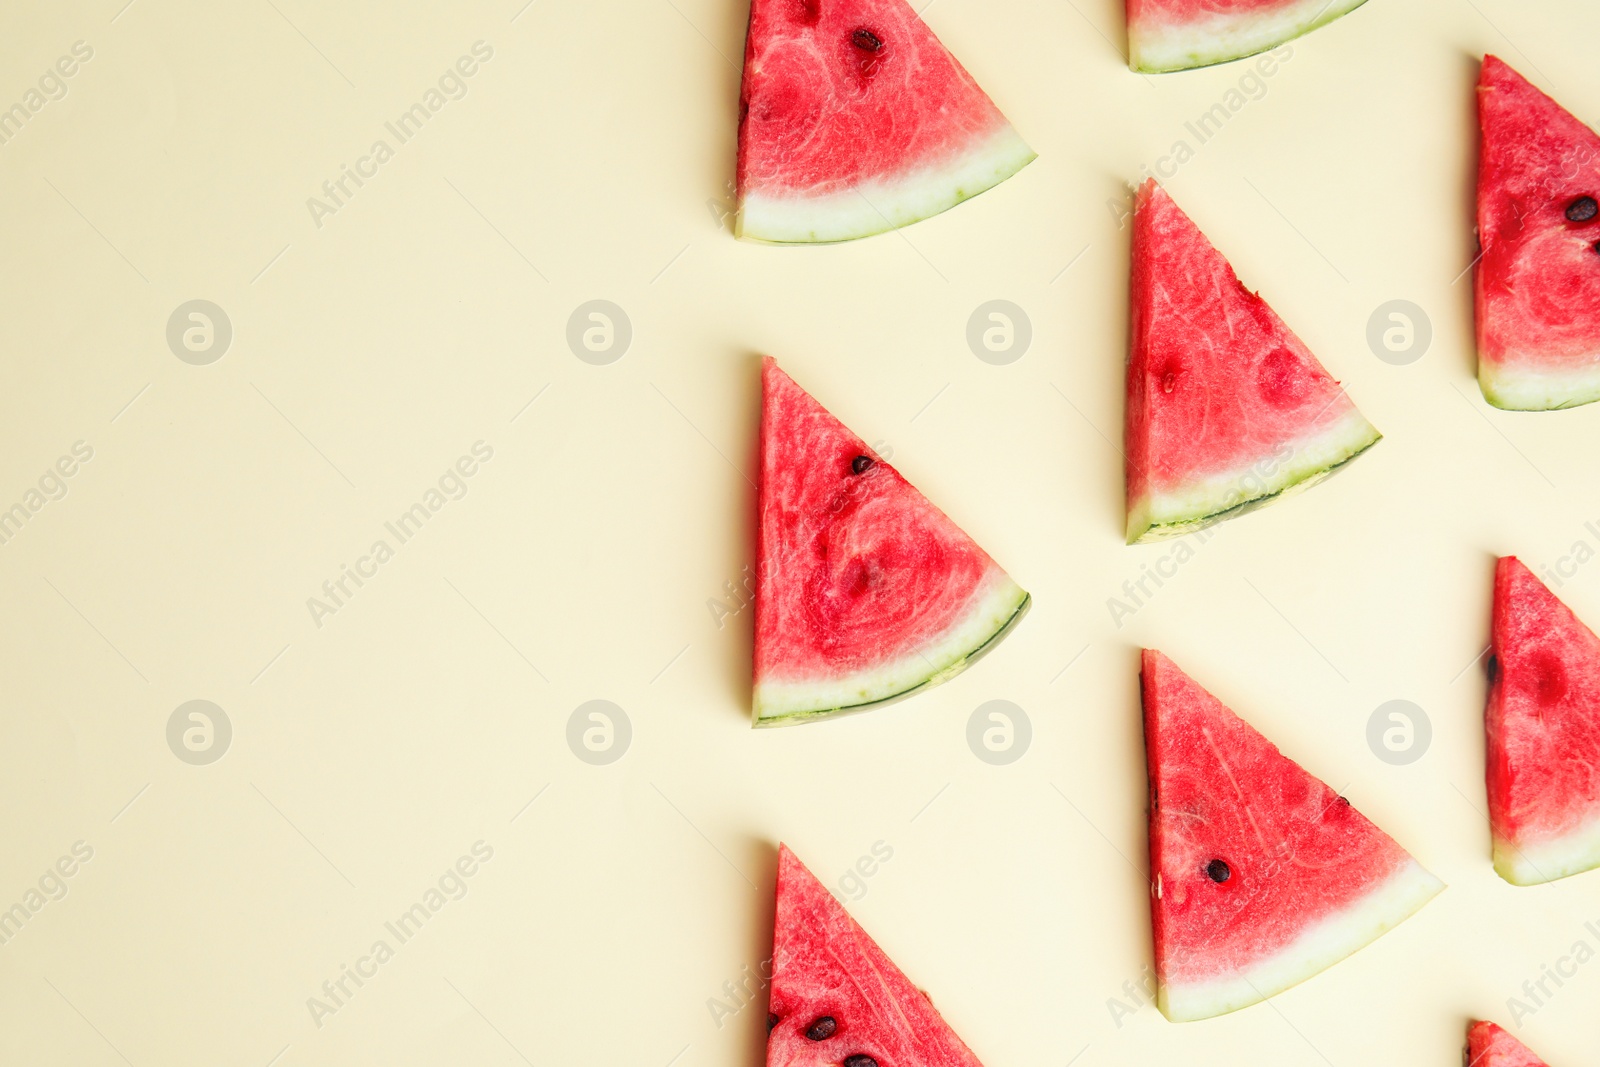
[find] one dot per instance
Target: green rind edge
(960, 197)
(1499, 402)
(1167, 530)
(1202, 62)
(1259, 996)
(795, 718)
(1506, 866)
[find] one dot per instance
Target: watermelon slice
(1227, 409)
(1538, 280)
(1263, 876)
(1543, 724)
(1168, 35)
(854, 119)
(1490, 1046)
(865, 591)
(836, 998)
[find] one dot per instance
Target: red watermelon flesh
(1263, 876)
(1538, 280)
(854, 119)
(1168, 35)
(864, 590)
(830, 979)
(1543, 725)
(1490, 1046)
(1227, 409)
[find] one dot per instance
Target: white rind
(781, 703)
(878, 205)
(1314, 951)
(1523, 388)
(1534, 863)
(1154, 48)
(1172, 514)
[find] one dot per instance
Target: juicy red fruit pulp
(1224, 801)
(1184, 11)
(1538, 180)
(856, 567)
(869, 592)
(836, 93)
(1490, 1046)
(1216, 380)
(1543, 712)
(837, 999)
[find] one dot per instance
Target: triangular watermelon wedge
(1168, 35)
(1490, 1046)
(1262, 875)
(1538, 279)
(854, 119)
(865, 592)
(1227, 409)
(1543, 725)
(836, 998)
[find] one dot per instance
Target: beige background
(588, 159)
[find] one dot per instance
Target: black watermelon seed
(860, 1059)
(822, 1028)
(772, 1020)
(1491, 666)
(1597, 246)
(1582, 209)
(867, 41)
(1218, 871)
(861, 463)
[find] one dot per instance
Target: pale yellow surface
(424, 715)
